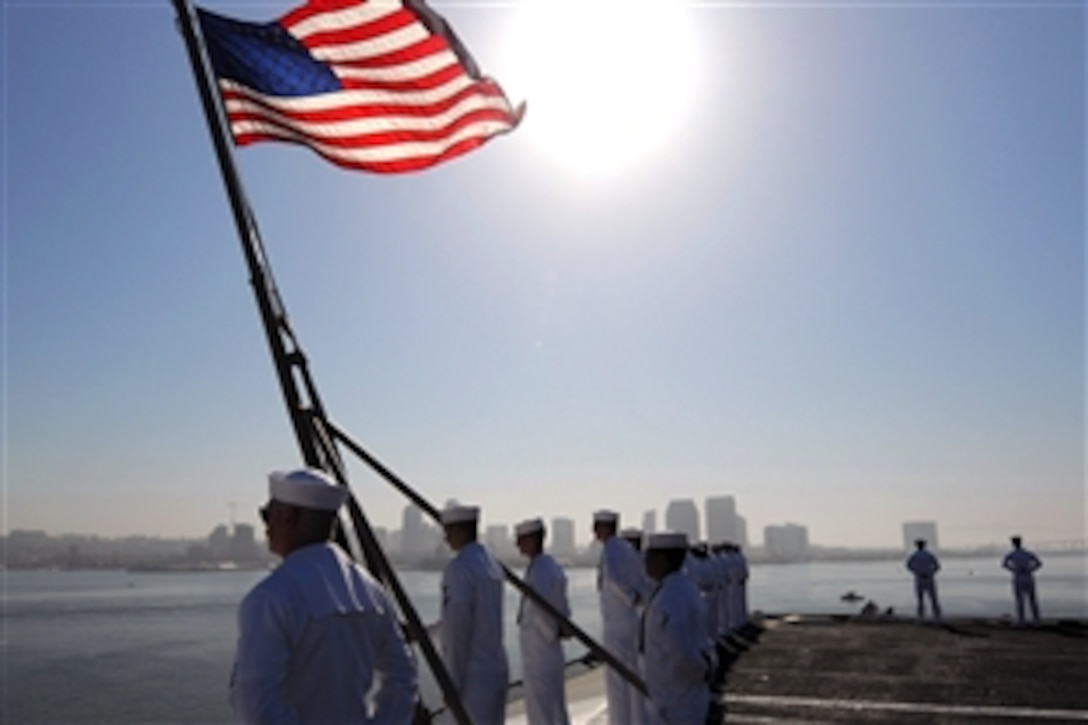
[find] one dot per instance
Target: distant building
(381, 535)
(243, 544)
(497, 539)
(723, 523)
(560, 540)
(913, 530)
(649, 521)
(414, 537)
(682, 515)
(219, 542)
(786, 543)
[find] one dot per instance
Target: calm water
(110, 646)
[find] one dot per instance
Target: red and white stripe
(407, 101)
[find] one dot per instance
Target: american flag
(382, 86)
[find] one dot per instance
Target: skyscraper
(913, 530)
(786, 543)
(414, 541)
(682, 515)
(497, 539)
(722, 521)
(649, 521)
(561, 537)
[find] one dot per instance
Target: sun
(608, 82)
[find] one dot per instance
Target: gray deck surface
(814, 669)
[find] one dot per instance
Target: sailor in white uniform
(470, 631)
(318, 634)
(703, 571)
(539, 633)
(738, 585)
(924, 565)
(622, 587)
(1023, 564)
(678, 656)
(633, 537)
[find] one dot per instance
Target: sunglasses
(265, 512)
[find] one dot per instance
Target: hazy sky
(825, 257)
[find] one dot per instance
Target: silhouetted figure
(1023, 564)
(678, 657)
(318, 638)
(470, 631)
(539, 633)
(924, 565)
(621, 583)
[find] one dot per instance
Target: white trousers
(1023, 588)
(926, 586)
(625, 703)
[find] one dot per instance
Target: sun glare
(607, 82)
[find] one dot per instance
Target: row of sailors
(319, 639)
(665, 614)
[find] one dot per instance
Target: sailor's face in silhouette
(530, 545)
(279, 525)
(457, 535)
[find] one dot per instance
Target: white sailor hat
(307, 488)
(458, 514)
(631, 533)
(605, 516)
(528, 526)
(667, 540)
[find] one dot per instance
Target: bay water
(112, 646)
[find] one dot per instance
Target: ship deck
(799, 669)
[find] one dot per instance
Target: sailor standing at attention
(470, 631)
(621, 584)
(924, 565)
(1023, 564)
(318, 634)
(739, 569)
(676, 651)
(539, 633)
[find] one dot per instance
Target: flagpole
(309, 421)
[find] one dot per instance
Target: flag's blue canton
(264, 57)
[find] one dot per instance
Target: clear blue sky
(847, 288)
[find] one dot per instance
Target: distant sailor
(736, 572)
(703, 571)
(633, 537)
(678, 657)
(318, 637)
(1023, 564)
(622, 589)
(470, 631)
(540, 633)
(924, 565)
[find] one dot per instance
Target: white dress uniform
(676, 653)
(702, 572)
(314, 637)
(1022, 563)
(924, 565)
(541, 647)
(725, 591)
(470, 633)
(739, 589)
(622, 584)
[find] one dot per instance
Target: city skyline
(425, 535)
